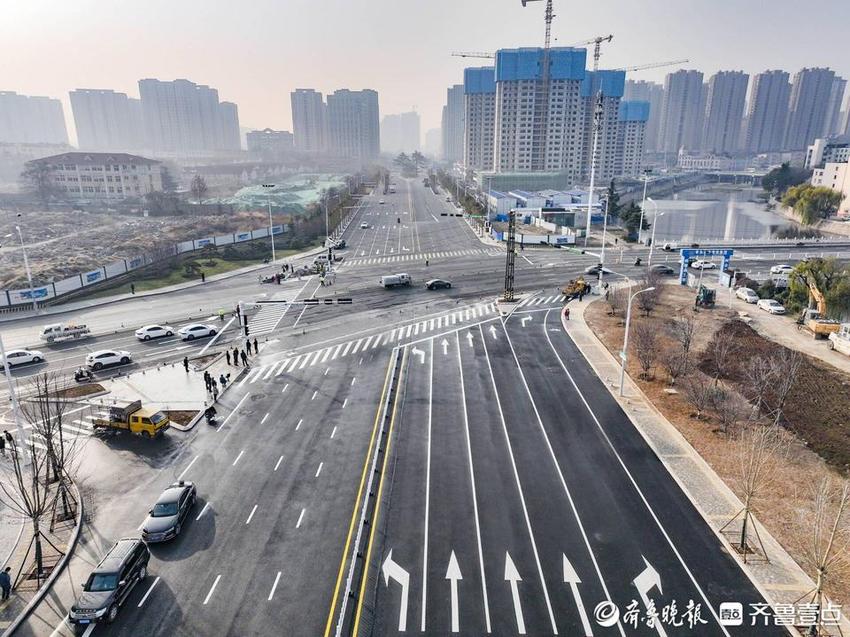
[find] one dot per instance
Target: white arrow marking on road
(405, 249)
(512, 576)
(453, 575)
(445, 345)
(571, 578)
(469, 338)
(396, 572)
(645, 582)
(524, 320)
(493, 331)
(420, 353)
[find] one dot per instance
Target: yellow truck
(132, 417)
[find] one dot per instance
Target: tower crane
(654, 65)
(473, 54)
(597, 46)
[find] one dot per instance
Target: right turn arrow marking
(453, 575)
(512, 576)
(392, 570)
(571, 578)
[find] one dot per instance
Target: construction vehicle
(705, 297)
(132, 417)
(62, 332)
(814, 319)
(840, 340)
(574, 288)
(396, 280)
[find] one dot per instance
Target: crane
(654, 65)
(473, 54)
(597, 46)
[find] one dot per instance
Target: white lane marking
(344, 403)
(319, 470)
(235, 409)
(215, 583)
(357, 346)
(519, 484)
(354, 380)
(366, 344)
(204, 510)
(327, 353)
(264, 418)
(251, 515)
(279, 460)
(271, 371)
(634, 484)
(237, 458)
(256, 376)
(304, 361)
(327, 369)
(527, 259)
(315, 393)
(298, 426)
(285, 387)
(427, 484)
(407, 331)
(300, 517)
(333, 433)
(274, 586)
(247, 376)
(347, 347)
(148, 592)
(336, 351)
(187, 468)
(282, 368)
(416, 330)
(472, 482)
(513, 577)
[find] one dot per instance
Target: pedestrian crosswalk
(75, 425)
(542, 300)
(419, 256)
(268, 318)
(359, 346)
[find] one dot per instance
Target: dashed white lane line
(300, 518)
(327, 369)
(204, 510)
(279, 460)
(187, 468)
(298, 426)
(333, 433)
(264, 418)
(319, 470)
(235, 409)
(344, 403)
(353, 380)
(237, 458)
(274, 586)
(315, 393)
(251, 515)
(148, 592)
(285, 387)
(212, 589)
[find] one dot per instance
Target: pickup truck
(396, 280)
(63, 331)
(132, 417)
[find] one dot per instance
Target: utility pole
(271, 227)
(510, 258)
(598, 110)
(541, 98)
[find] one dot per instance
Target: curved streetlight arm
(624, 353)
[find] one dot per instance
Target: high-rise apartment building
(810, 93)
(611, 85)
(353, 124)
(452, 124)
(106, 120)
(433, 142)
(767, 113)
(833, 124)
(682, 112)
(400, 133)
(643, 91)
(309, 120)
(534, 132)
(269, 142)
(724, 110)
(479, 94)
(31, 120)
(631, 136)
(181, 117)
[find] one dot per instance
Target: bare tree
(759, 450)
(198, 187)
(698, 392)
(682, 329)
(677, 361)
(729, 407)
(37, 178)
(647, 301)
(760, 378)
(617, 299)
(645, 344)
(722, 354)
(786, 366)
(825, 539)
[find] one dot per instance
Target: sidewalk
(781, 580)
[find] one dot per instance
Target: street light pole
(604, 231)
(654, 224)
(643, 206)
(271, 227)
(15, 407)
(624, 354)
(27, 268)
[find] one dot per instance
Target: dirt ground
(817, 412)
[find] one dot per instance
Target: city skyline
(241, 71)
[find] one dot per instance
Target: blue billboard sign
(690, 253)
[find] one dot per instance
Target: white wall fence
(9, 299)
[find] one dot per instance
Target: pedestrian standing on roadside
(256, 347)
(223, 381)
(236, 356)
(6, 582)
(203, 277)
(227, 355)
(8, 437)
(132, 288)
(186, 363)
(244, 358)
(2, 446)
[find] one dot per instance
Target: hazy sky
(256, 51)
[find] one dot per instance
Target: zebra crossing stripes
(400, 258)
(542, 300)
(71, 431)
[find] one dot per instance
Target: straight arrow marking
(571, 578)
(512, 576)
(645, 582)
(445, 345)
(453, 575)
(493, 331)
(392, 570)
(469, 338)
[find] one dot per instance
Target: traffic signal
(245, 324)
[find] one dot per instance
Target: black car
(438, 284)
(165, 519)
(660, 268)
(124, 566)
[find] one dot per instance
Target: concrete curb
(35, 601)
(17, 541)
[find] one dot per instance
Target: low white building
(102, 176)
(828, 150)
(836, 176)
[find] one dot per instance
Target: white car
(364, 226)
(381, 202)
(782, 268)
(195, 330)
(771, 305)
(16, 357)
(106, 357)
(746, 294)
(703, 265)
(148, 332)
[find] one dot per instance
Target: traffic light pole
(510, 258)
